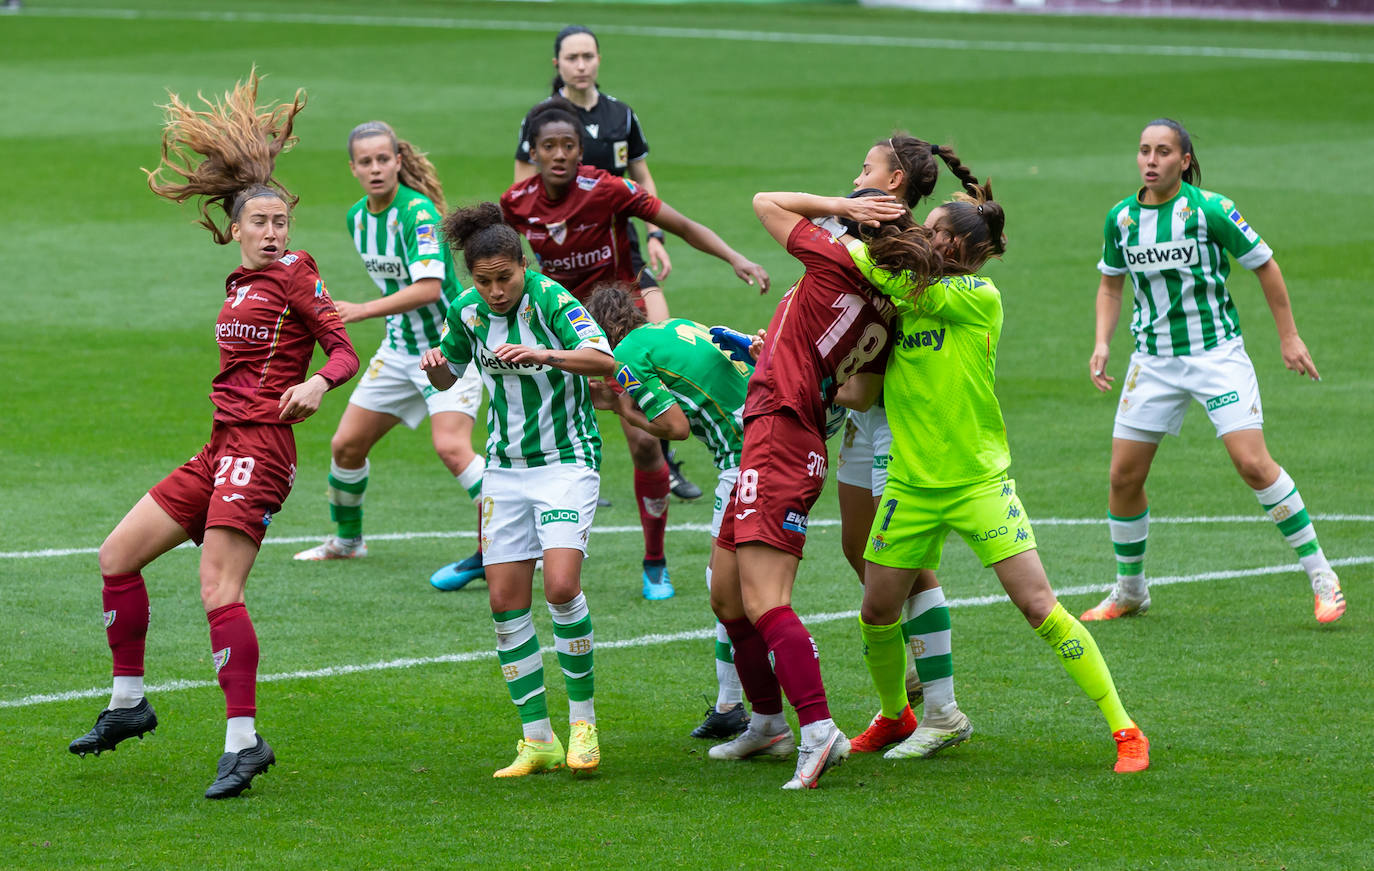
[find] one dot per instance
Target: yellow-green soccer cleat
(532, 757)
(584, 751)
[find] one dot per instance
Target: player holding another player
(575, 217)
(1173, 239)
(949, 473)
(675, 383)
(829, 327)
(394, 227)
(534, 344)
(275, 310)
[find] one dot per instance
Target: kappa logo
(221, 659)
(558, 232)
(239, 294)
(1163, 255)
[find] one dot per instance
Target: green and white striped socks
(1284, 505)
(517, 649)
(1128, 540)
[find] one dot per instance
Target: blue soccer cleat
(734, 343)
(656, 583)
(456, 576)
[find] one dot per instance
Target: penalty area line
(649, 640)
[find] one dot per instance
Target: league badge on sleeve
(582, 322)
(319, 288)
(426, 243)
(627, 380)
(1241, 225)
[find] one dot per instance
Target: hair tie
(934, 151)
(980, 208)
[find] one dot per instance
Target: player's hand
(873, 211)
(751, 273)
(1297, 358)
(603, 395)
(522, 354)
(659, 263)
(302, 400)
(1097, 368)
(435, 365)
(349, 312)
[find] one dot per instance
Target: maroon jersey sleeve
(625, 197)
(818, 250)
(310, 300)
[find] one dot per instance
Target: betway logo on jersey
(237, 329)
(492, 363)
(578, 260)
(1162, 255)
(382, 267)
(934, 339)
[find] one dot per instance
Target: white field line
(696, 527)
(714, 34)
(642, 640)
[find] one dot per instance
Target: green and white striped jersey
(400, 246)
(1176, 254)
(538, 415)
(676, 362)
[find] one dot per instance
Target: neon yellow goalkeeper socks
(885, 656)
(1078, 653)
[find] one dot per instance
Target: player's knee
(348, 453)
(1127, 477)
(113, 557)
(455, 455)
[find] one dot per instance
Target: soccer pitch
(381, 695)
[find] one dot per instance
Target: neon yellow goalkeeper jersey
(947, 428)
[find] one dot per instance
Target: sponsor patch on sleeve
(1240, 223)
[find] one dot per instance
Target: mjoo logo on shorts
(1224, 399)
(559, 515)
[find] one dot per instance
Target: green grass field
(380, 694)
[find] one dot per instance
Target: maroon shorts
(239, 480)
(781, 472)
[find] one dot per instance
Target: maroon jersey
(830, 325)
(583, 238)
(266, 333)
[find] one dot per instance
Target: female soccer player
(949, 472)
(613, 140)
(275, 310)
(829, 327)
(393, 227)
(905, 167)
(574, 217)
(675, 383)
(1173, 239)
(534, 344)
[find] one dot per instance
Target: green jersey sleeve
(569, 320)
(1226, 224)
(1113, 261)
(420, 232)
(455, 341)
(961, 299)
(637, 375)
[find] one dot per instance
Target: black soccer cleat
(677, 483)
(114, 725)
(721, 725)
(237, 770)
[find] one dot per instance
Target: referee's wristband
(656, 234)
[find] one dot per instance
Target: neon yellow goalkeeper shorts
(912, 523)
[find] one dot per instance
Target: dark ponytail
(916, 159)
(480, 232)
(976, 221)
(1193, 174)
(563, 34)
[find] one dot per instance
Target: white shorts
(866, 448)
(1159, 390)
(393, 384)
(527, 511)
(725, 485)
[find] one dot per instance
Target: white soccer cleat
(952, 728)
(752, 742)
(812, 762)
(1118, 604)
(1330, 601)
(334, 548)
